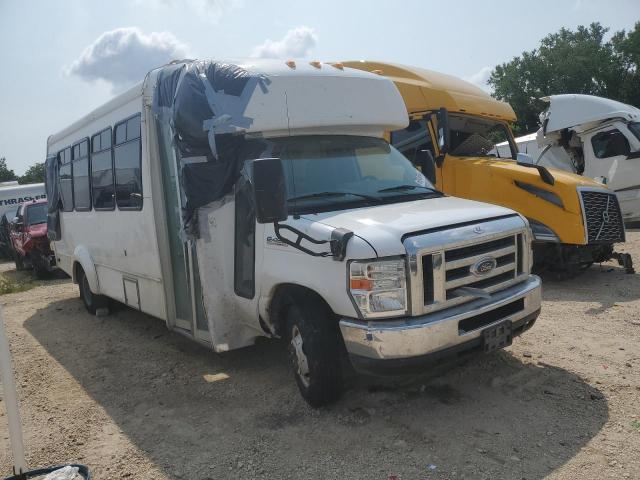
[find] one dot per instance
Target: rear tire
(314, 350)
(92, 302)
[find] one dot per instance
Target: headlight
(378, 287)
(542, 233)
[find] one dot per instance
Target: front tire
(92, 302)
(314, 350)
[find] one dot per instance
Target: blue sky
(51, 76)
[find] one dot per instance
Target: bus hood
(384, 226)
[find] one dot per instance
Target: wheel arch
(287, 294)
(82, 261)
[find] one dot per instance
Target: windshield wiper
(399, 188)
(333, 194)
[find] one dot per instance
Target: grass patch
(13, 286)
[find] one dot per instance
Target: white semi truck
(591, 136)
(235, 200)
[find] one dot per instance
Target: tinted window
(81, 186)
(127, 157)
(610, 144)
(102, 189)
(66, 180)
(245, 239)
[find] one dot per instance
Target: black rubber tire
(41, 273)
(321, 346)
(92, 302)
(19, 262)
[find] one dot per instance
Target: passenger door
(607, 154)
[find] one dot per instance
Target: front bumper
(407, 340)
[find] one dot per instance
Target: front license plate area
(497, 337)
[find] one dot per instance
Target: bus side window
(65, 176)
(81, 188)
(102, 189)
(127, 160)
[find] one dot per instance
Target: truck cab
(452, 136)
(29, 239)
(595, 137)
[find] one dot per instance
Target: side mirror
(443, 133)
(270, 190)
(525, 159)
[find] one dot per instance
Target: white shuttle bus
(259, 198)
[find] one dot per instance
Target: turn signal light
(361, 284)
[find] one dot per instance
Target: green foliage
(11, 286)
(35, 174)
(569, 61)
(6, 174)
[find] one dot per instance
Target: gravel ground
(132, 400)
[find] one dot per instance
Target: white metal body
(118, 248)
(12, 194)
(586, 116)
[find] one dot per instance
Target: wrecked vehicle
(452, 137)
(242, 200)
(595, 137)
(28, 232)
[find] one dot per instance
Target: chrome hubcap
(302, 365)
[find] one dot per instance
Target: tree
(6, 174)
(35, 174)
(569, 61)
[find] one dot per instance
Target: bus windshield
(37, 214)
(342, 171)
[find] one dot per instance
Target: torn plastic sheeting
(207, 181)
(204, 103)
(205, 98)
(53, 197)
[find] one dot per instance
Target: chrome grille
(602, 216)
(441, 261)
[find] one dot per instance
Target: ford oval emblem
(483, 266)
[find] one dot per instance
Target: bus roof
(425, 90)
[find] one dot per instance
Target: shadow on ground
(494, 417)
(605, 284)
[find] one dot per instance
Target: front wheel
(95, 304)
(314, 351)
(19, 262)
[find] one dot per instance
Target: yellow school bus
(451, 137)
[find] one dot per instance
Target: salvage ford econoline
(259, 198)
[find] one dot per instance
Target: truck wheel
(19, 262)
(314, 350)
(95, 304)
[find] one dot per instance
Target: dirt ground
(132, 400)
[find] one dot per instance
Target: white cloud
(297, 42)
(123, 56)
(480, 78)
